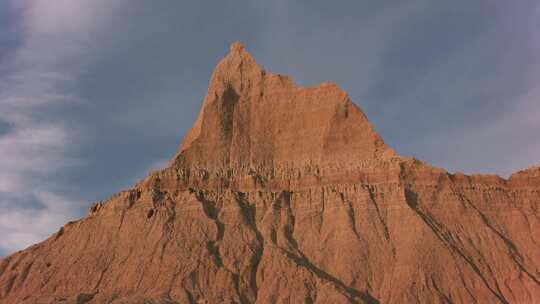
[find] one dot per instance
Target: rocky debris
(284, 194)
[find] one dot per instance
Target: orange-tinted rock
(282, 194)
(253, 118)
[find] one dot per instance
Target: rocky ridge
(284, 194)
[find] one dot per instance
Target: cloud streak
(24, 226)
(38, 74)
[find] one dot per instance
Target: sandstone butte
(285, 194)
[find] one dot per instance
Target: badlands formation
(284, 194)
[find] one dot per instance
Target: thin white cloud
(13, 240)
(32, 148)
(56, 38)
(45, 17)
(22, 227)
(10, 182)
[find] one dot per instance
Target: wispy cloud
(23, 226)
(38, 74)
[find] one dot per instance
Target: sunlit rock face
(285, 194)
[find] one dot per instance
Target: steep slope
(283, 194)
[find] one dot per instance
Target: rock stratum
(284, 194)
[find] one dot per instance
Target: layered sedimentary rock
(284, 194)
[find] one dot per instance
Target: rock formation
(284, 194)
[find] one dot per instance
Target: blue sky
(95, 93)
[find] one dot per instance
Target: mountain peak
(250, 117)
(237, 47)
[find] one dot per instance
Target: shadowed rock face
(283, 194)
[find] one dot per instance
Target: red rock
(284, 194)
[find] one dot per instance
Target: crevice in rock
(133, 197)
(258, 180)
(9, 284)
(379, 215)
(283, 201)
(448, 240)
(192, 289)
(351, 293)
(214, 252)
(469, 292)
(442, 295)
(121, 220)
(211, 211)
(513, 252)
(4, 265)
(25, 272)
(351, 215)
(83, 298)
(249, 213)
(102, 274)
(141, 277)
(190, 296)
(168, 227)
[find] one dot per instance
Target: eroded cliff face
(251, 118)
(282, 194)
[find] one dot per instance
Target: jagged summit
(237, 47)
(251, 117)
